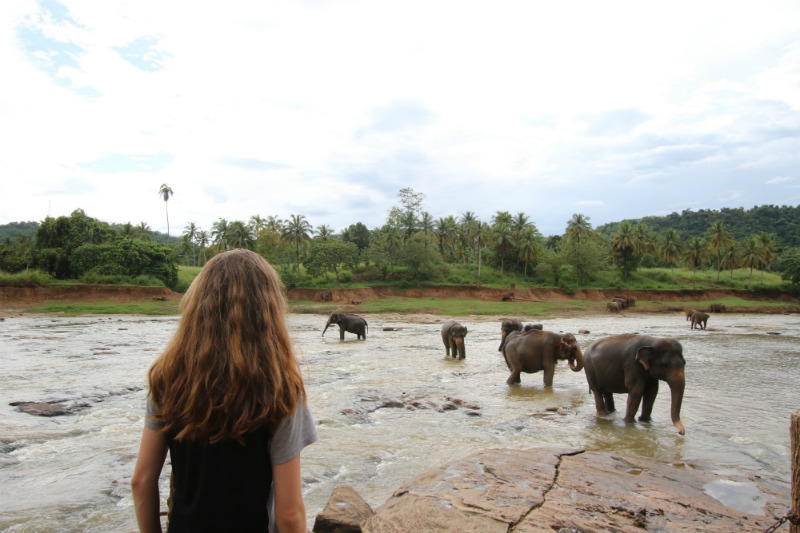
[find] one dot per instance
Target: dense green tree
(423, 261)
(17, 253)
(126, 257)
(240, 235)
(330, 256)
(358, 234)
(483, 238)
(503, 240)
(530, 247)
(58, 238)
(623, 244)
(718, 239)
(752, 254)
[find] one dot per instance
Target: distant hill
(783, 221)
(18, 228)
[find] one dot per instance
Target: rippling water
(72, 473)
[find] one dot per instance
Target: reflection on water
(387, 408)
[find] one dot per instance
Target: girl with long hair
(228, 403)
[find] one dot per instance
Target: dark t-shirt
(221, 487)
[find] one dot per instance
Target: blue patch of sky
(58, 12)
(143, 53)
(48, 54)
(129, 163)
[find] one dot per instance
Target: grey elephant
(453, 335)
(529, 327)
(349, 323)
(699, 319)
(634, 364)
(539, 350)
(613, 306)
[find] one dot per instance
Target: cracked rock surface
(550, 489)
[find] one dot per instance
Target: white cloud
(328, 109)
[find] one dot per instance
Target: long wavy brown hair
(229, 369)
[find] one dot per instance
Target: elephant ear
(645, 356)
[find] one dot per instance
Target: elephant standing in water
(453, 335)
(537, 350)
(699, 319)
(513, 325)
(349, 323)
(634, 364)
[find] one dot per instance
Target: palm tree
(240, 235)
(579, 228)
(165, 191)
(530, 248)
(519, 224)
(127, 231)
(669, 250)
(730, 258)
(483, 237)
(219, 232)
(409, 223)
(202, 239)
(325, 233)
(623, 243)
(769, 247)
(297, 230)
(696, 252)
(444, 229)
(190, 233)
(502, 238)
(642, 240)
(719, 238)
(468, 222)
(426, 226)
(752, 255)
(143, 232)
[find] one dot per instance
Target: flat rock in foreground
(547, 490)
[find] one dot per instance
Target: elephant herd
(618, 364)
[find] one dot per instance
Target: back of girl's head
(230, 367)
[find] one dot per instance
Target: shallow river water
(72, 472)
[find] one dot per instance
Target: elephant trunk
(328, 323)
(576, 360)
(502, 342)
(677, 383)
(460, 348)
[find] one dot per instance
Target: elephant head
(570, 351)
(335, 318)
(507, 327)
(664, 361)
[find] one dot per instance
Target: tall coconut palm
(696, 252)
(530, 248)
(623, 243)
(519, 224)
(325, 232)
(719, 238)
(409, 223)
(202, 239)
(468, 221)
(444, 229)
(670, 249)
(579, 228)
(426, 226)
(143, 232)
(190, 234)
(503, 239)
(219, 233)
(752, 255)
(240, 235)
(643, 241)
(483, 237)
(165, 191)
(297, 230)
(769, 247)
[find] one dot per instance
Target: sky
(615, 110)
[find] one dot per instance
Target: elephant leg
(341, 334)
(634, 399)
(549, 372)
(514, 377)
(608, 398)
(648, 400)
(599, 404)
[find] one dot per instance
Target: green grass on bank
(76, 308)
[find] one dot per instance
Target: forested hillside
(783, 221)
(27, 229)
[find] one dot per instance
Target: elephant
(349, 323)
(325, 296)
(507, 327)
(453, 335)
(623, 303)
(688, 313)
(613, 306)
(717, 308)
(634, 364)
(507, 296)
(699, 319)
(540, 350)
(529, 327)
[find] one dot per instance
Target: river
(72, 472)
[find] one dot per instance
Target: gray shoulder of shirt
(294, 434)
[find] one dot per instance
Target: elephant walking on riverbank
(349, 323)
(634, 364)
(537, 350)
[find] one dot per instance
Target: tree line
(410, 245)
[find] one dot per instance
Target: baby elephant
(453, 335)
(699, 319)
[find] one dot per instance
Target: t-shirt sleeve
(294, 434)
(149, 420)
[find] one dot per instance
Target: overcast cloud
(328, 108)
